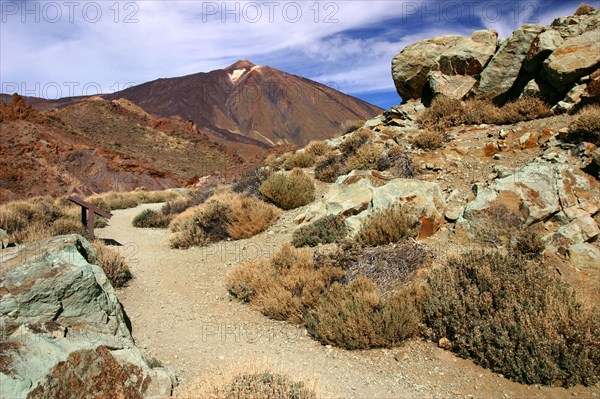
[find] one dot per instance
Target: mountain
(99, 145)
(246, 101)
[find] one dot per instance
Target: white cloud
(335, 40)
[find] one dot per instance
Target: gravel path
(182, 314)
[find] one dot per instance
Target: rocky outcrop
(64, 331)
(535, 60)
(503, 70)
(558, 198)
(360, 193)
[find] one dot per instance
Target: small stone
(430, 166)
(503, 134)
(497, 157)
(444, 343)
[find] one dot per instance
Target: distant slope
(256, 102)
(99, 145)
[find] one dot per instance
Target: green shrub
(289, 191)
(356, 316)
(510, 316)
(149, 218)
(387, 226)
(325, 230)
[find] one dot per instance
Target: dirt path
(182, 314)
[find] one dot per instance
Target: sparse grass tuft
(387, 226)
(511, 316)
(356, 316)
(325, 230)
(289, 191)
(587, 126)
(113, 264)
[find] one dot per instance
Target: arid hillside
(100, 145)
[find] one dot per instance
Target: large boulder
(498, 78)
(361, 193)
(411, 67)
(541, 48)
(453, 86)
(469, 55)
(576, 57)
(64, 331)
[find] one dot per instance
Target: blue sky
(61, 48)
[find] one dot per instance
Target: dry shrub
(224, 215)
(497, 225)
(350, 126)
(194, 198)
(369, 156)
(354, 141)
(247, 381)
(289, 191)
(510, 316)
(356, 316)
(387, 226)
(402, 166)
(429, 140)
(113, 264)
(249, 216)
(329, 168)
(389, 266)
(325, 230)
(302, 159)
(524, 109)
(249, 181)
(149, 218)
(477, 112)
(587, 126)
(529, 244)
(39, 218)
(584, 9)
(444, 112)
(318, 148)
(284, 287)
(111, 201)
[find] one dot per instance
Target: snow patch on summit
(238, 73)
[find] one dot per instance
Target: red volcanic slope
(245, 101)
(99, 145)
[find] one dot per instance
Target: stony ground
(182, 315)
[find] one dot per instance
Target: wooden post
(88, 214)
